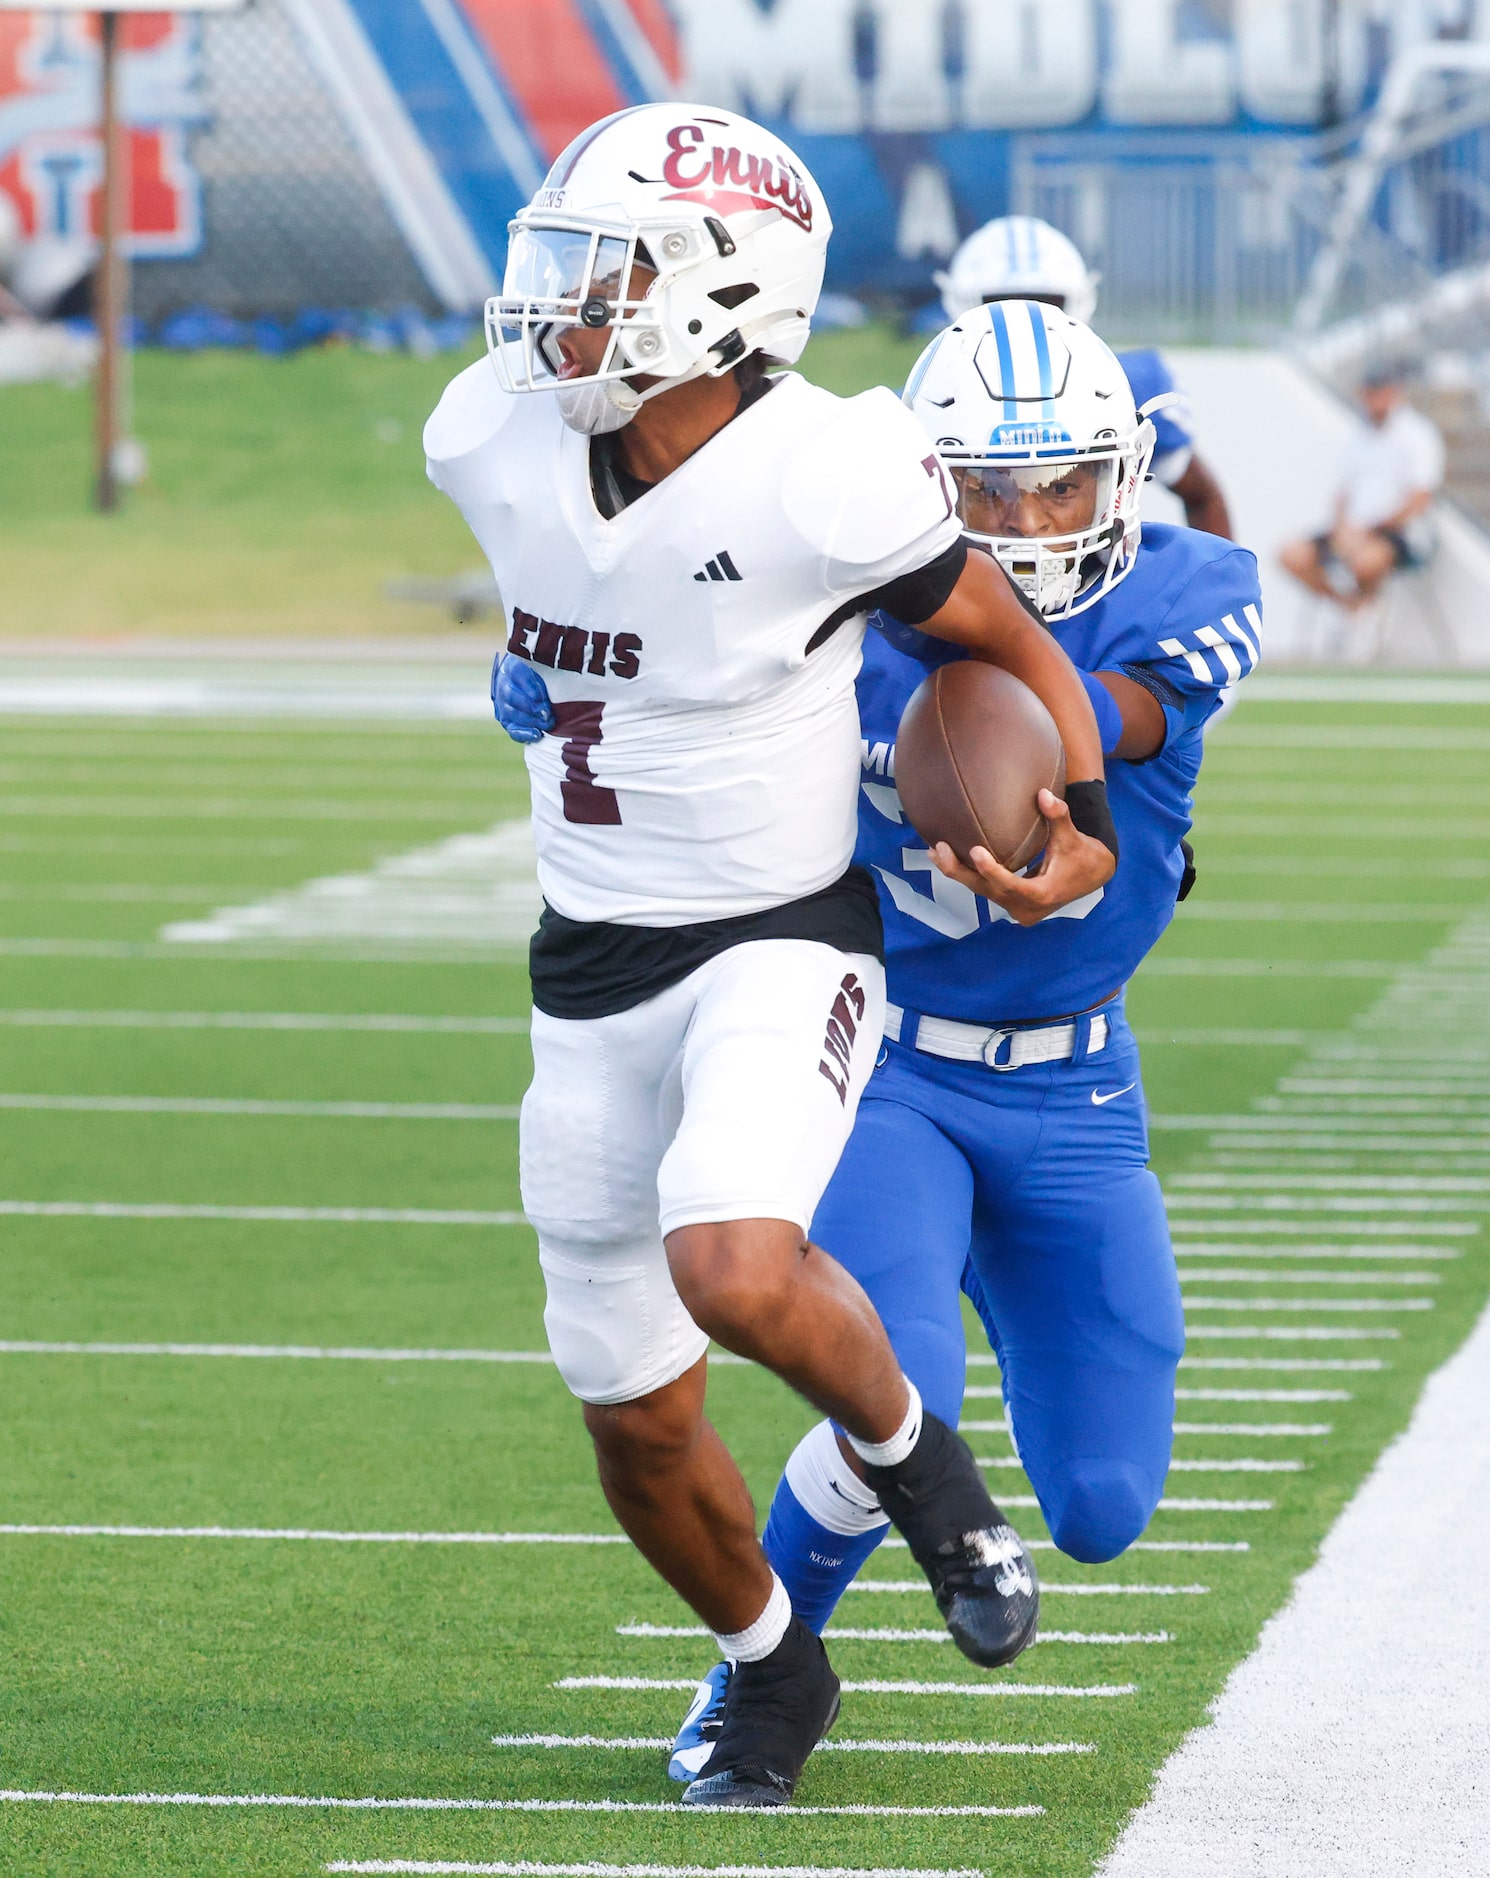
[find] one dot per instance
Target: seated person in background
(1389, 476)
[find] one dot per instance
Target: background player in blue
(1001, 1145)
(1019, 257)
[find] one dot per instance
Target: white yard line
(1357, 1734)
(1191, 1428)
(479, 889)
(312, 1215)
(313, 1534)
(877, 1687)
(242, 1105)
(1241, 1039)
(1347, 1183)
(434, 1804)
(1308, 1304)
(1182, 1228)
(1224, 1275)
(1248, 1466)
(529, 1868)
(1199, 1332)
(905, 1587)
(292, 1352)
(830, 1746)
(1263, 1395)
(375, 1021)
(1191, 1202)
(1176, 966)
(373, 692)
(118, 893)
(1327, 1363)
(351, 952)
(1169, 1504)
(881, 1634)
(239, 809)
(1263, 1120)
(1318, 912)
(1010, 1463)
(1220, 1248)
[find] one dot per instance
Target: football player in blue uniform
(1019, 257)
(1001, 1146)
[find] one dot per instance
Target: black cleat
(776, 1712)
(981, 1576)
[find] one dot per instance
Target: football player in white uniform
(688, 547)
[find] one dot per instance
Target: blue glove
(520, 699)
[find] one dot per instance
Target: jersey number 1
(584, 799)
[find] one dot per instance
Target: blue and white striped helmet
(1018, 257)
(1034, 418)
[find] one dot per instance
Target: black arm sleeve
(915, 597)
(910, 597)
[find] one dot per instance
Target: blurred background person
(1020, 257)
(1391, 471)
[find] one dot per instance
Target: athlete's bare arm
(1205, 506)
(1143, 718)
(984, 615)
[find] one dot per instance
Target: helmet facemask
(602, 278)
(1064, 527)
(580, 276)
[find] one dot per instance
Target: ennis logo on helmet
(731, 179)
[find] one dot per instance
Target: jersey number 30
(585, 800)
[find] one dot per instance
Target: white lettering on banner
(796, 59)
(928, 219)
(1029, 64)
(910, 89)
(1158, 78)
(1280, 59)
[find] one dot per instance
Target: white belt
(1007, 1048)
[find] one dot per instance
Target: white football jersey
(704, 763)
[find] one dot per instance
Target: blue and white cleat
(700, 1727)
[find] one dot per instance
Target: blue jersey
(1186, 622)
(1174, 427)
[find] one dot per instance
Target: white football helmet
(726, 216)
(1019, 257)
(1033, 416)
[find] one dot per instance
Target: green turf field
(382, 1669)
(283, 494)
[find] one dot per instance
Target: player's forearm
(1205, 506)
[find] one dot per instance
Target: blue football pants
(1031, 1189)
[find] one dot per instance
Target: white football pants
(728, 1096)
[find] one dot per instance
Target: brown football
(974, 749)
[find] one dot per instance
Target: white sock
(760, 1638)
(898, 1448)
(828, 1489)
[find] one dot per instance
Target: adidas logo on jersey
(720, 568)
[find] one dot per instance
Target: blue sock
(816, 1562)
